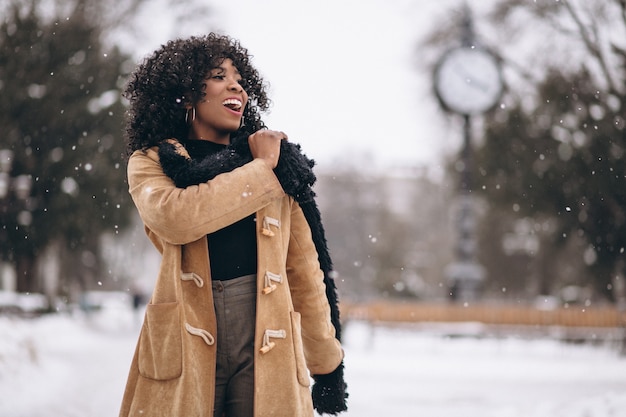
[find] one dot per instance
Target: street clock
(468, 80)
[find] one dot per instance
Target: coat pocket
(296, 331)
(160, 343)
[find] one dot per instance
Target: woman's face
(219, 112)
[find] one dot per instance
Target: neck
(215, 137)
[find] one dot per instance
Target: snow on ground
(399, 372)
(76, 365)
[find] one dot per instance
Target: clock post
(468, 82)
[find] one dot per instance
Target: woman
(244, 301)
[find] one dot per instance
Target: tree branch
(592, 45)
(622, 5)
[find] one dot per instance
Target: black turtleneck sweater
(232, 250)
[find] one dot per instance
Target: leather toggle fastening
(270, 278)
(267, 222)
(192, 276)
(267, 343)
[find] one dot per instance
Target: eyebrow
(221, 69)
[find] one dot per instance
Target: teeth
(236, 104)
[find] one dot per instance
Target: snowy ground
(75, 366)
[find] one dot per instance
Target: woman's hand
(265, 145)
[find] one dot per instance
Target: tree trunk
(27, 281)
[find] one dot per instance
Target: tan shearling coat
(173, 369)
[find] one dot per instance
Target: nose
(235, 86)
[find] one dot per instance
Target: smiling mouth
(233, 104)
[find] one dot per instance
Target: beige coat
(173, 369)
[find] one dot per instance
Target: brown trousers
(235, 309)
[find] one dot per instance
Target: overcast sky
(344, 75)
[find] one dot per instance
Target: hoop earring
(193, 115)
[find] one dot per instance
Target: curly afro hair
(173, 76)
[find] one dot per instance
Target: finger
(280, 134)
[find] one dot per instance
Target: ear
(186, 100)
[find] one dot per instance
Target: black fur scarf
(295, 173)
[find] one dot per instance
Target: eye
(218, 77)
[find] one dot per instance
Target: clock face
(468, 80)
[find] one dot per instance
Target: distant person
(244, 301)
(137, 295)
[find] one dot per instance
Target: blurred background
(470, 161)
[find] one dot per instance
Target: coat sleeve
(322, 350)
(183, 215)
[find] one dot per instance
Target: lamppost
(468, 82)
(14, 201)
